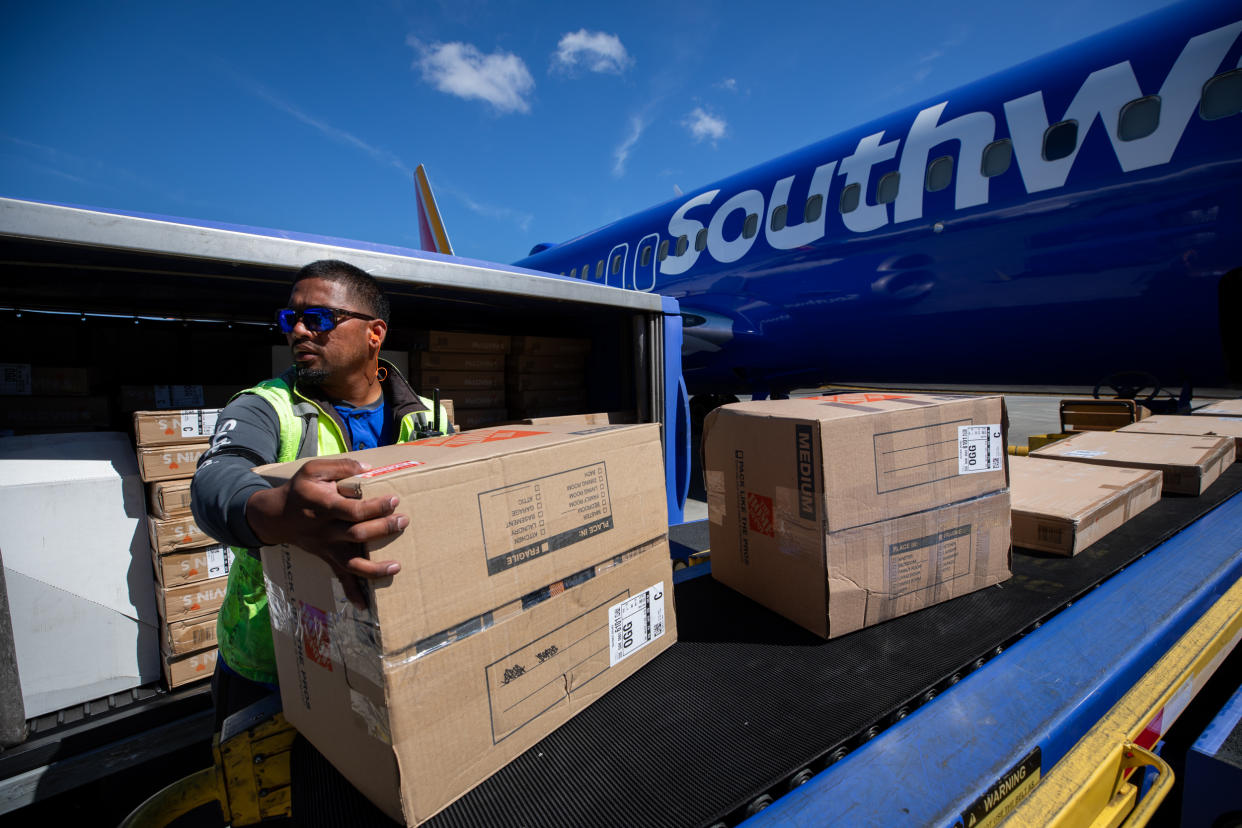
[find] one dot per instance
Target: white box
(76, 558)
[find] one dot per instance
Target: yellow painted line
(1080, 788)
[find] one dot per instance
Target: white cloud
(704, 126)
(460, 69)
(728, 84)
(595, 51)
(622, 153)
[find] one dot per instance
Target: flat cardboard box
(1179, 424)
(1221, 408)
(169, 498)
(434, 361)
(171, 428)
(164, 397)
(81, 592)
(182, 670)
(174, 534)
(191, 600)
(451, 381)
(415, 727)
(550, 346)
(47, 414)
(462, 342)
(189, 636)
(1188, 464)
(191, 566)
(472, 418)
(475, 398)
(169, 462)
(847, 460)
(1065, 507)
(594, 418)
(538, 364)
(545, 382)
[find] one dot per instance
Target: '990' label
(980, 448)
(634, 623)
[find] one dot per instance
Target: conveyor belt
(746, 701)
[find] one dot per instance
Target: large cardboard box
(171, 428)
(1188, 464)
(842, 511)
(545, 382)
(550, 346)
(75, 554)
(189, 636)
(169, 498)
(594, 418)
(1221, 408)
(1065, 507)
(192, 565)
(540, 364)
(183, 670)
(173, 534)
(1178, 424)
(169, 462)
(191, 600)
(451, 381)
(535, 576)
(462, 342)
(429, 361)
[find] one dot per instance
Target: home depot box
(1188, 464)
(473, 398)
(550, 345)
(182, 670)
(463, 342)
(1221, 408)
(169, 462)
(435, 361)
(852, 459)
(460, 380)
(544, 382)
(594, 418)
(1178, 424)
(169, 498)
(535, 576)
(1066, 507)
(189, 636)
(170, 428)
(191, 600)
(172, 534)
(190, 566)
(539, 364)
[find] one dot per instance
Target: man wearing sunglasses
(337, 396)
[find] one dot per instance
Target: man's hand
(309, 512)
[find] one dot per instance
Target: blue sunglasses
(316, 320)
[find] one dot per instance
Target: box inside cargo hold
(180, 670)
(192, 565)
(842, 511)
(169, 498)
(170, 428)
(1065, 507)
(169, 462)
(173, 534)
(1189, 464)
(535, 576)
(191, 600)
(43, 380)
(1180, 424)
(190, 635)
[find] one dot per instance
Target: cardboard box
(544, 382)
(43, 380)
(169, 498)
(539, 364)
(173, 534)
(852, 459)
(189, 636)
(164, 397)
(1221, 408)
(459, 342)
(190, 566)
(191, 600)
(169, 462)
(433, 361)
(597, 418)
(183, 670)
(1177, 424)
(465, 398)
(282, 360)
(81, 593)
(451, 381)
(472, 418)
(171, 428)
(538, 403)
(1065, 507)
(414, 727)
(1189, 464)
(550, 346)
(39, 414)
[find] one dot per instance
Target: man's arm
(247, 435)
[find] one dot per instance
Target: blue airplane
(1075, 217)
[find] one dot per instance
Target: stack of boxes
(41, 398)
(469, 370)
(547, 376)
(191, 568)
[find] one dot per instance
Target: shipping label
(635, 622)
(980, 448)
(527, 520)
(200, 423)
(1083, 453)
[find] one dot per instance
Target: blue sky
(537, 121)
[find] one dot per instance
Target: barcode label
(980, 448)
(199, 423)
(1083, 453)
(635, 622)
(219, 561)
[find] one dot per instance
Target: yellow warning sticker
(1005, 794)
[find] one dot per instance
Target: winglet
(431, 233)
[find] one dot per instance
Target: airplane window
(645, 258)
(751, 227)
(573, 273)
(599, 269)
(586, 271)
(1060, 140)
(849, 198)
(779, 216)
(997, 156)
(700, 241)
(1222, 96)
(940, 173)
(616, 264)
(814, 206)
(886, 190)
(682, 244)
(663, 254)
(1139, 118)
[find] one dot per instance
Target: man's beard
(311, 376)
